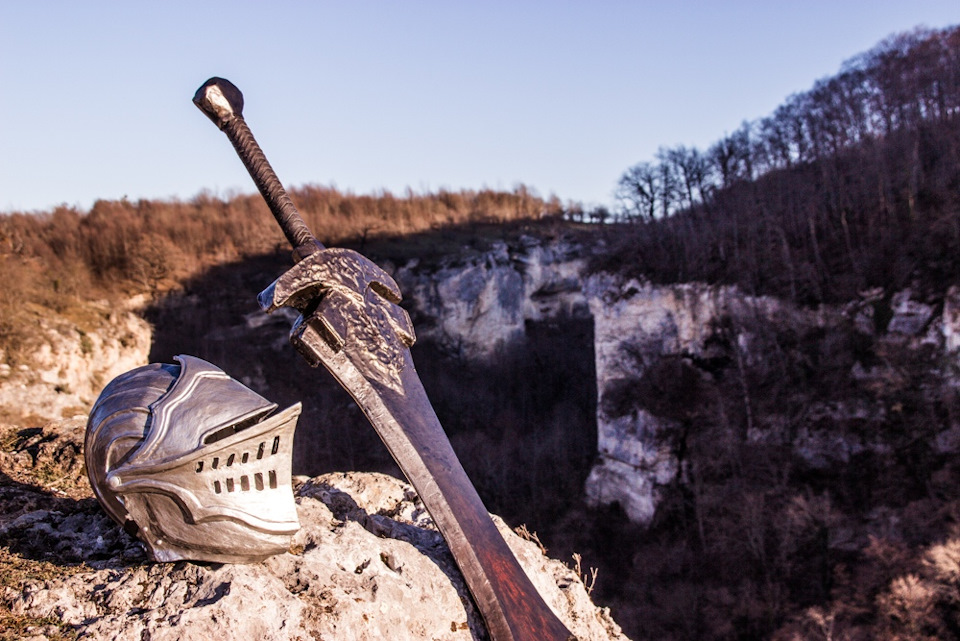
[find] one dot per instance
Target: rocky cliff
(719, 331)
(475, 308)
(704, 398)
(638, 325)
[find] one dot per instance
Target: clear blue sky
(561, 96)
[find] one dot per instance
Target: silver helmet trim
(149, 477)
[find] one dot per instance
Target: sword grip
(222, 102)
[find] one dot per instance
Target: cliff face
(724, 338)
(476, 308)
(638, 325)
(719, 334)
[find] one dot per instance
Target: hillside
(737, 397)
(797, 466)
(851, 185)
(121, 249)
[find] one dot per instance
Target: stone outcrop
(638, 324)
(368, 563)
(635, 325)
(69, 358)
(476, 308)
(950, 321)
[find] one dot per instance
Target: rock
(910, 317)
(633, 488)
(950, 325)
(71, 359)
(368, 563)
(477, 308)
(638, 324)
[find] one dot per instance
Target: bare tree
(639, 190)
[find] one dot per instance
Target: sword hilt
(222, 102)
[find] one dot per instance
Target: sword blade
(406, 422)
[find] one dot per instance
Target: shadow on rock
(47, 511)
(37, 524)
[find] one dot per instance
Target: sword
(350, 322)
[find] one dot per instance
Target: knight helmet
(193, 462)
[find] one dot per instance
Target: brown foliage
(122, 243)
(123, 247)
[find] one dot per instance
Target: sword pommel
(220, 100)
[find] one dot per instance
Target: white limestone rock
(950, 323)
(367, 564)
(477, 308)
(910, 317)
(635, 325)
(70, 361)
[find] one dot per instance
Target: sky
(562, 96)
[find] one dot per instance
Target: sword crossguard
(346, 303)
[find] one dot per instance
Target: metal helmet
(195, 463)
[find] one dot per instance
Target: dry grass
(16, 572)
(49, 261)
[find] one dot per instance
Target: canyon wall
(686, 377)
(476, 308)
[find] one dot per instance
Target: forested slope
(850, 185)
